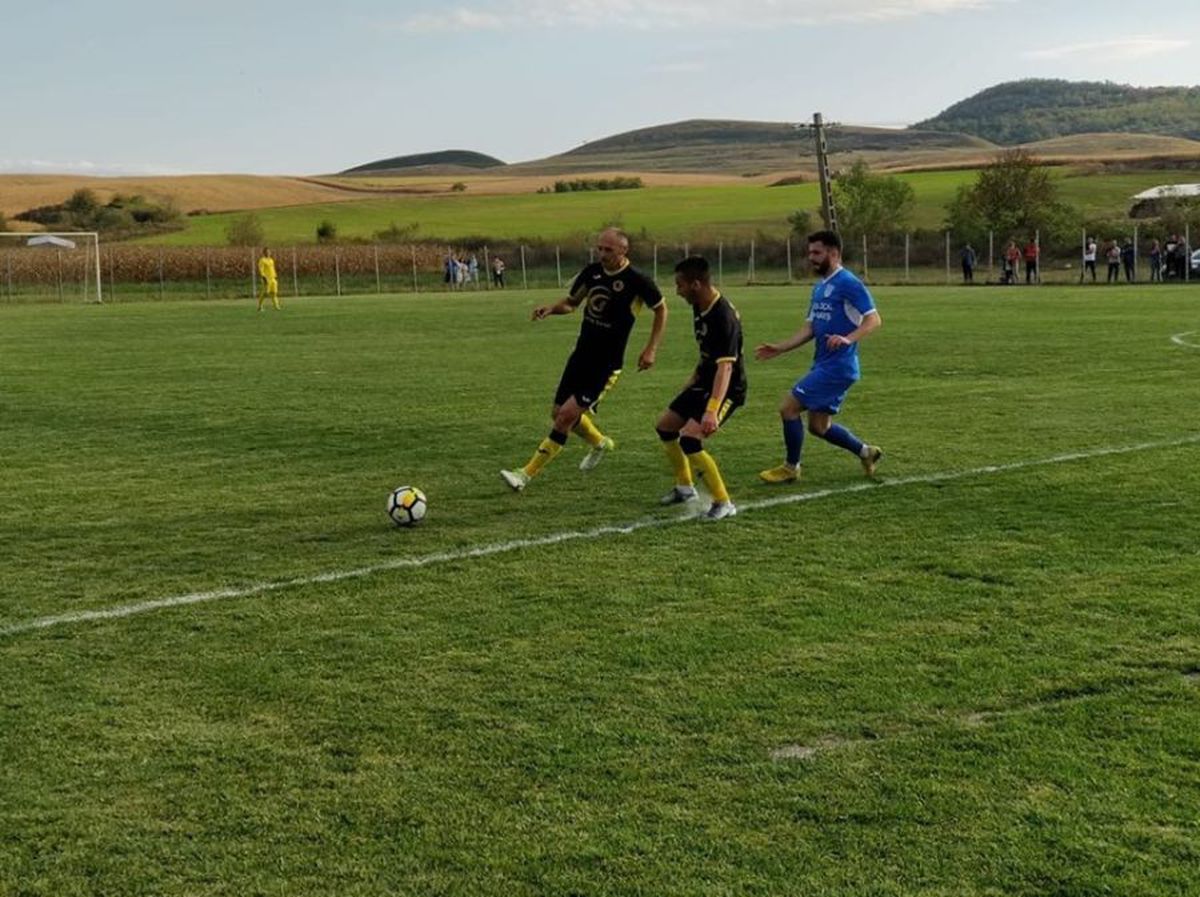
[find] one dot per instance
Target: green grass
(1000, 670)
(733, 212)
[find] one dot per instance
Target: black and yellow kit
(610, 301)
(718, 332)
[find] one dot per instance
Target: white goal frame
(92, 235)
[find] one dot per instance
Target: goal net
(50, 266)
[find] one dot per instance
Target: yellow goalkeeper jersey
(266, 268)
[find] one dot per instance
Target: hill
(427, 162)
(736, 147)
(1041, 109)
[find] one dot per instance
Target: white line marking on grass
(616, 529)
(1180, 340)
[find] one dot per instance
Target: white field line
(1180, 339)
(479, 551)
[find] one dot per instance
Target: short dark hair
(829, 239)
(693, 268)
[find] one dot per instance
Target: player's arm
(709, 422)
(870, 323)
(799, 338)
(561, 307)
(657, 329)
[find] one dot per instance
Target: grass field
(731, 211)
(978, 676)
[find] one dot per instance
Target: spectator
(1032, 251)
(1012, 258)
(473, 268)
(1113, 254)
(1089, 259)
(1155, 256)
(968, 263)
(1171, 249)
(498, 272)
(1128, 259)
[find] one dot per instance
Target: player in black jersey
(715, 390)
(611, 292)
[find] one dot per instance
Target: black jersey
(719, 334)
(610, 305)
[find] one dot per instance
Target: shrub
(245, 231)
(326, 231)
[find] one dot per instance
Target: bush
(326, 232)
(458, 187)
(245, 231)
(394, 233)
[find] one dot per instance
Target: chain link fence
(147, 273)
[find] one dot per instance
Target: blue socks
(793, 439)
(843, 438)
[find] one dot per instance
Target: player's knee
(817, 427)
(788, 409)
(690, 445)
(666, 434)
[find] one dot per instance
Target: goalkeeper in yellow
(270, 282)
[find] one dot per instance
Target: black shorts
(690, 404)
(587, 380)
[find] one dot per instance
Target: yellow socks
(588, 431)
(679, 462)
(706, 466)
(545, 453)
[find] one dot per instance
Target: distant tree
(1014, 196)
(81, 207)
(326, 231)
(801, 222)
(871, 204)
(246, 230)
(458, 187)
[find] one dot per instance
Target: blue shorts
(823, 391)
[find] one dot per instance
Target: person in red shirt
(1032, 251)
(1012, 258)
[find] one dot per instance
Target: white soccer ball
(407, 506)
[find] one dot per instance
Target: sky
(268, 87)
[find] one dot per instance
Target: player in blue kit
(841, 313)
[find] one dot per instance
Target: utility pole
(828, 212)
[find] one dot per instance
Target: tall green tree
(1014, 197)
(871, 204)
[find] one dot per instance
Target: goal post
(72, 241)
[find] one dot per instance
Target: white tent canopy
(1169, 191)
(50, 240)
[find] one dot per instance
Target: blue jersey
(839, 303)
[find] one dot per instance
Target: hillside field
(223, 671)
(731, 211)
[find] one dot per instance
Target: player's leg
(262, 294)
(692, 441)
(275, 293)
(820, 423)
(791, 411)
(585, 427)
(565, 414)
(668, 426)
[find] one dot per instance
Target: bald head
(612, 246)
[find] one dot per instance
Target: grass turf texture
(999, 673)
(667, 213)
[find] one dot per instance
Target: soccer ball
(407, 505)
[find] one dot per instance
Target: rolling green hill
(1040, 109)
(744, 147)
(443, 159)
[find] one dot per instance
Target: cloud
(1126, 48)
(84, 167)
(677, 14)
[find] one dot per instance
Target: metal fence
(149, 273)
